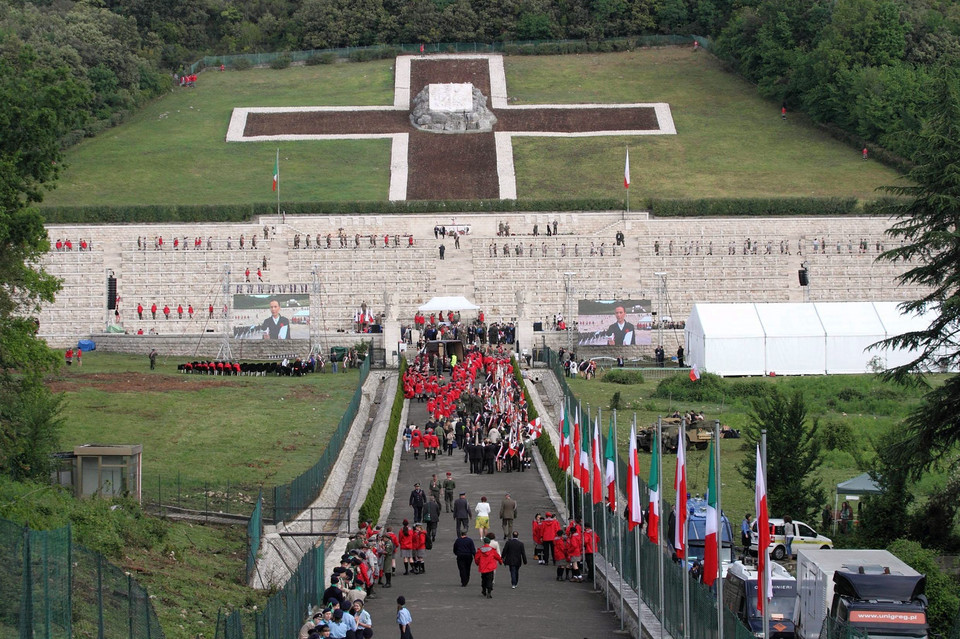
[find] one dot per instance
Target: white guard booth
(796, 338)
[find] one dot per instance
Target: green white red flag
(711, 549)
(653, 519)
(597, 488)
(276, 173)
(564, 457)
(610, 475)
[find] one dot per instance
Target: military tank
(697, 435)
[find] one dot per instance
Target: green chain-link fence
(50, 587)
(519, 47)
(167, 493)
(254, 532)
(289, 500)
(285, 611)
(636, 558)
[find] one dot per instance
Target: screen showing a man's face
(621, 314)
(275, 309)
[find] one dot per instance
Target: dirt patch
(134, 383)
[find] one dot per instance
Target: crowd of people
(749, 246)
(343, 241)
(518, 249)
(198, 243)
(65, 245)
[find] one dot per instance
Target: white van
(805, 538)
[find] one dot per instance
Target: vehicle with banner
(740, 597)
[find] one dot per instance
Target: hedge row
(766, 207)
(370, 510)
(720, 207)
(547, 451)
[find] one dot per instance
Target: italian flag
(564, 457)
(597, 488)
(763, 543)
(711, 548)
(653, 520)
(634, 516)
(585, 458)
(626, 172)
(680, 508)
(610, 454)
(276, 173)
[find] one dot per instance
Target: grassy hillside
(729, 142)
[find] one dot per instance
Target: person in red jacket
(406, 536)
(415, 441)
(153, 310)
(575, 553)
(419, 549)
(179, 311)
(190, 311)
(538, 538)
(139, 311)
(560, 556)
(487, 560)
(549, 531)
(166, 311)
(590, 541)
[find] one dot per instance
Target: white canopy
(796, 338)
(438, 304)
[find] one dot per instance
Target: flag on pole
(763, 541)
(626, 172)
(564, 457)
(634, 516)
(585, 458)
(611, 475)
(694, 373)
(711, 540)
(575, 454)
(680, 509)
(597, 488)
(653, 519)
(276, 173)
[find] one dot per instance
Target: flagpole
(682, 441)
(278, 184)
(582, 496)
(606, 539)
(628, 185)
(657, 452)
(615, 508)
(638, 529)
(766, 551)
(719, 514)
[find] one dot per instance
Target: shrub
(281, 62)
(942, 592)
(722, 207)
(709, 388)
(615, 401)
(242, 64)
(370, 510)
(328, 57)
(836, 435)
(620, 376)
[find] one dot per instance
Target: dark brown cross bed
(455, 166)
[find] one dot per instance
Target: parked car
(806, 538)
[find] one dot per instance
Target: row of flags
(579, 455)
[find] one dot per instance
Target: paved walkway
(540, 607)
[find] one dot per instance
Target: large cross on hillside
(435, 166)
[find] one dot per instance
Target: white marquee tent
(437, 304)
(795, 338)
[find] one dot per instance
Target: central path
(540, 607)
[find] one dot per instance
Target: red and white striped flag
(680, 509)
(765, 587)
(626, 172)
(634, 515)
(597, 488)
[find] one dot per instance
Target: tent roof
(458, 303)
(859, 485)
(720, 321)
(789, 320)
(845, 319)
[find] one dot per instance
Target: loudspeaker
(804, 278)
(538, 327)
(111, 293)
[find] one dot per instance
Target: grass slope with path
(730, 142)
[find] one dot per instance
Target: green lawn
(729, 143)
(244, 431)
(868, 418)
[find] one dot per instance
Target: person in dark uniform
(464, 550)
(680, 357)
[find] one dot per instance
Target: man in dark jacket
(464, 550)
(431, 516)
(461, 513)
(418, 500)
(514, 556)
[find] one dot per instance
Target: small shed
(108, 470)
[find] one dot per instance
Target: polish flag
(711, 550)
(626, 172)
(694, 373)
(680, 509)
(763, 543)
(634, 516)
(597, 488)
(564, 457)
(575, 454)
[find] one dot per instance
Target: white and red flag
(626, 172)
(765, 587)
(610, 474)
(597, 488)
(575, 452)
(711, 542)
(694, 373)
(680, 509)
(564, 457)
(634, 514)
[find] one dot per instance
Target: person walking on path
(153, 358)
(431, 516)
(464, 550)
(418, 499)
(514, 556)
(508, 512)
(461, 513)
(448, 487)
(404, 619)
(443, 249)
(482, 523)
(487, 560)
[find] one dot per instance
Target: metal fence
(254, 533)
(521, 47)
(637, 560)
(286, 610)
(167, 494)
(52, 588)
(289, 500)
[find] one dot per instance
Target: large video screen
(279, 317)
(614, 322)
